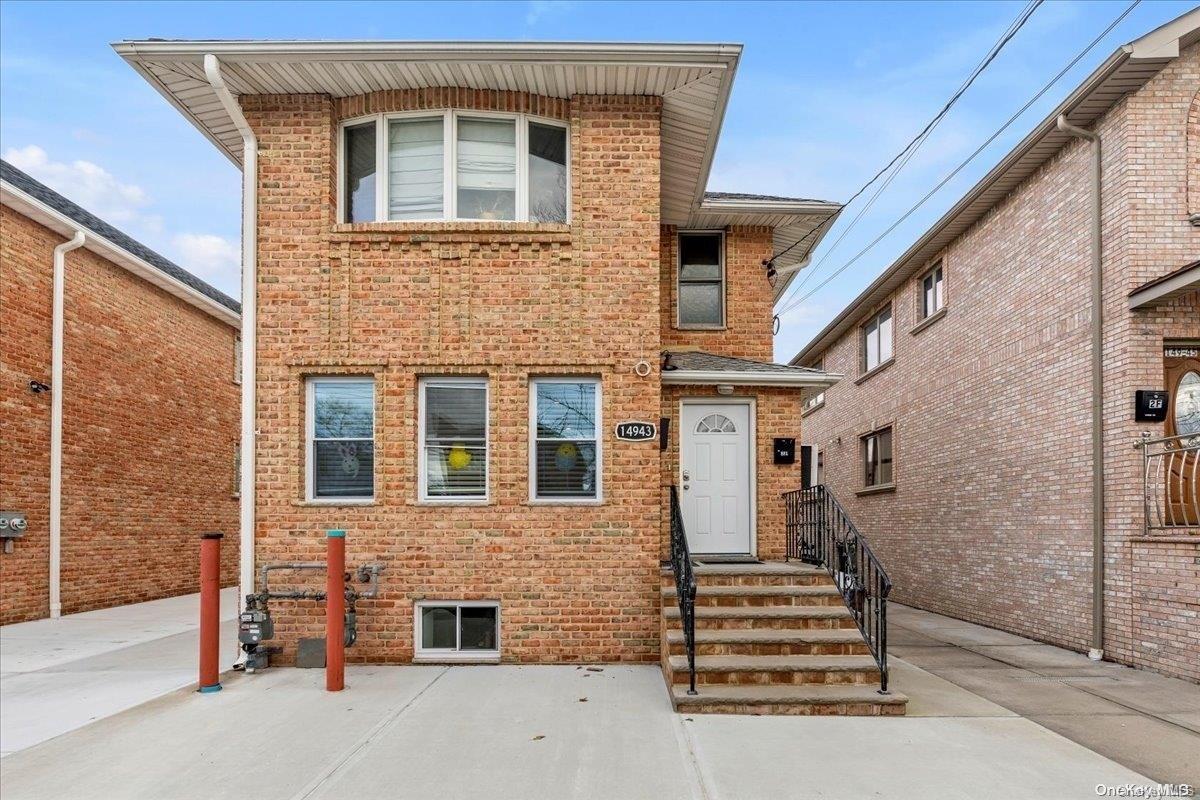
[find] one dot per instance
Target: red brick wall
(149, 427)
(990, 520)
(509, 301)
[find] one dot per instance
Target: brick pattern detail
(150, 425)
(990, 406)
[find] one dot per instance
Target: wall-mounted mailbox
(1150, 405)
(785, 450)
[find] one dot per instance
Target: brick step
(710, 617)
(771, 642)
(806, 699)
(780, 595)
(770, 573)
(777, 670)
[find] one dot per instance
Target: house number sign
(637, 431)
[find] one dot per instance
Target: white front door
(715, 477)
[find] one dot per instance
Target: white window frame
(533, 440)
(694, 326)
(925, 313)
(867, 367)
(450, 119)
(877, 434)
(444, 654)
(423, 473)
(310, 424)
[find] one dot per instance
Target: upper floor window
(453, 165)
(701, 280)
(340, 439)
(933, 296)
(877, 340)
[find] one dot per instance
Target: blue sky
(826, 93)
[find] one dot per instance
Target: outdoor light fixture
(37, 387)
(724, 388)
(772, 273)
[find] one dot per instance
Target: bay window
(453, 165)
(565, 432)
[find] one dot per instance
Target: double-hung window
(877, 458)
(565, 433)
(449, 165)
(701, 281)
(454, 441)
(341, 438)
(932, 292)
(877, 340)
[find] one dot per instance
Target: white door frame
(751, 451)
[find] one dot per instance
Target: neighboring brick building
(149, 411)
(960, 439)
(460, 293)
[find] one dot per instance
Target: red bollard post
(335, 611)
(210, 611)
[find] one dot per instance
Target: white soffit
(694, 81)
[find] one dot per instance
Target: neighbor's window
(454, 165)
(566, 439)
(458, 630)
(701, 280)
(816, 401)
(877, 458)
(341, 438)
(454, 447)
(932, 292)
(877, 340)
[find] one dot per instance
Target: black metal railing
(685, 585)
(819, 532)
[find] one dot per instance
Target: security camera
(37, 387)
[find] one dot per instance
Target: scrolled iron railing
(1171, 483)
(685, 585)
(819, 532)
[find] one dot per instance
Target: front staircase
(771, 638)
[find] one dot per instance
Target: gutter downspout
(212, 70)
(56, 417)
(1097, 651)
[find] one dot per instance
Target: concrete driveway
(544, 732)
(57, 675)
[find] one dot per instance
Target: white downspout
(212, 69)
(56, 418)
(1096, 653)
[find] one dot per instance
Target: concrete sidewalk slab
(848, 758)
(931, 696)
(62, 674)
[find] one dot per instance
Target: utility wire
(915, 143)
(969, 158)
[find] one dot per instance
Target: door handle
(686, 475)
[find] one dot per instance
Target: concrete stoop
(771, 638)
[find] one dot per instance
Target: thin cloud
(211, 257)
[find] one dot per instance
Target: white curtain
(415, 169)
(487, 168)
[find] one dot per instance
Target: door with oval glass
(1181, 376)
(715, 448)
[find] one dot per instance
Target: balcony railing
(1171, 484)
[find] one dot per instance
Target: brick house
(117, 483)
(466, 266)
(962, 439)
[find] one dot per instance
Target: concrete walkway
(544, 732)
(1143, 720)
(57, 675)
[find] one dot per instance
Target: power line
(915, 143)
(969, 158)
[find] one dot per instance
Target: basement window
(457, 630)
(453, 165)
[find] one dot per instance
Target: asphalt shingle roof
(91, 222)
(699, 361)
(766, 198)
